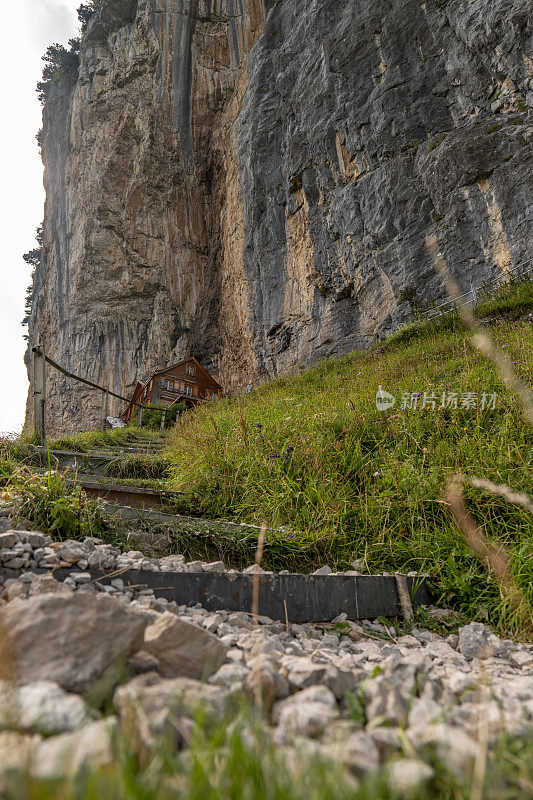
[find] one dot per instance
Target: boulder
(265, 680)
(182, 649)
(72, 640)
(43, 707)
(157, 708)
(71, 754)
(306, 713)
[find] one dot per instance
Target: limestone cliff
(251, 181)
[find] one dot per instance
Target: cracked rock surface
(253, 182)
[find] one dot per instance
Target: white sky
(28, 27)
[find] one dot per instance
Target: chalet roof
(165, 370)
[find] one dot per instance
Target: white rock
(474, 641)
(158, 706)
(71, 639)
(230, 675)
(42, 707)
(408, 774)
(70, 754)
(522, 658)
(254, 569)
(307, 713)
(183, 649)
(454, 748)
(265, 681)
(215, 566)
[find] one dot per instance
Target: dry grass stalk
(501, 490)
(256, 672)
(494, 558)
(481, 337)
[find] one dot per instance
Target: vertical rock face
(251, 181)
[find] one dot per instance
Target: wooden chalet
(186, 382)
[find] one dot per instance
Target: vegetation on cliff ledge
(60, 60)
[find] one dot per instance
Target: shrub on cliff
(33, 258)
(86, 12)
(59, 61)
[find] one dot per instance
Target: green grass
(511, 299)
(52, 505)
(314, 454)
(138, 465)
(92, 440)
(236, 761)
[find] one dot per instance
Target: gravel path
(359, 692)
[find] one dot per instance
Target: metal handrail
(474, 290)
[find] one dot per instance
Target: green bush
(55, 506)
(153, 416)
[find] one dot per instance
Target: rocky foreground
(360, 694)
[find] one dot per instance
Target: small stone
(522, 658)
(340, 619)
(160, 706)
(35, 539)
(265, 680)
(254, 569)
(455, 750)
(408, 775)
(474, 641)
(195, 566)
(142, 662)
(230, 675)
(15, 563)
(215, 566)
(307, 713)
(9, 539)
(325, 570)
(241, 620)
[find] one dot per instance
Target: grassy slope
(313, 453)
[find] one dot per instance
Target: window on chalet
(189, 369)
(188, 391)
(167, 384)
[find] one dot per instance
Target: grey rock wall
(251, 181)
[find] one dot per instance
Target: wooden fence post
(140, 417)
(105, 408)
(163, 420)
(39, 392)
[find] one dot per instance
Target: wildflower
(290, 449)
(276, 455)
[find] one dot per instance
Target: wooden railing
(40, 360)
